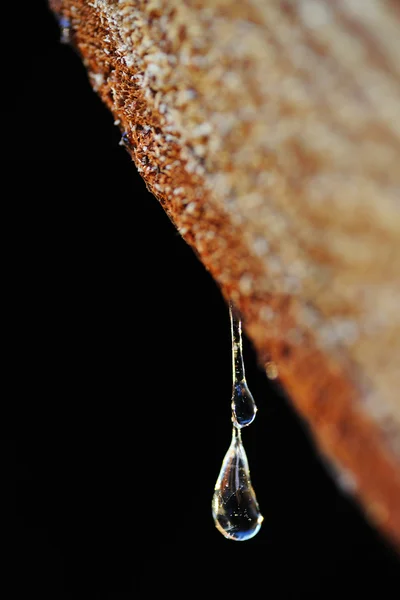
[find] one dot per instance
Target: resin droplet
(65, 27)
(234, 504)
(243, 406)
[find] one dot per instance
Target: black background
(120, 370)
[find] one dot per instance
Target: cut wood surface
(270, 133)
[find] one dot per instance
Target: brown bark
(270, 133)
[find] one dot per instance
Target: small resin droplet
(234, 504)
(65, 27)
(243, 406)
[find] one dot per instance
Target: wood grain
(270, 133)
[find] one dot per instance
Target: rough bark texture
(270, 133)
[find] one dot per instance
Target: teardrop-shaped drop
(243, 406)
(234, 504)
